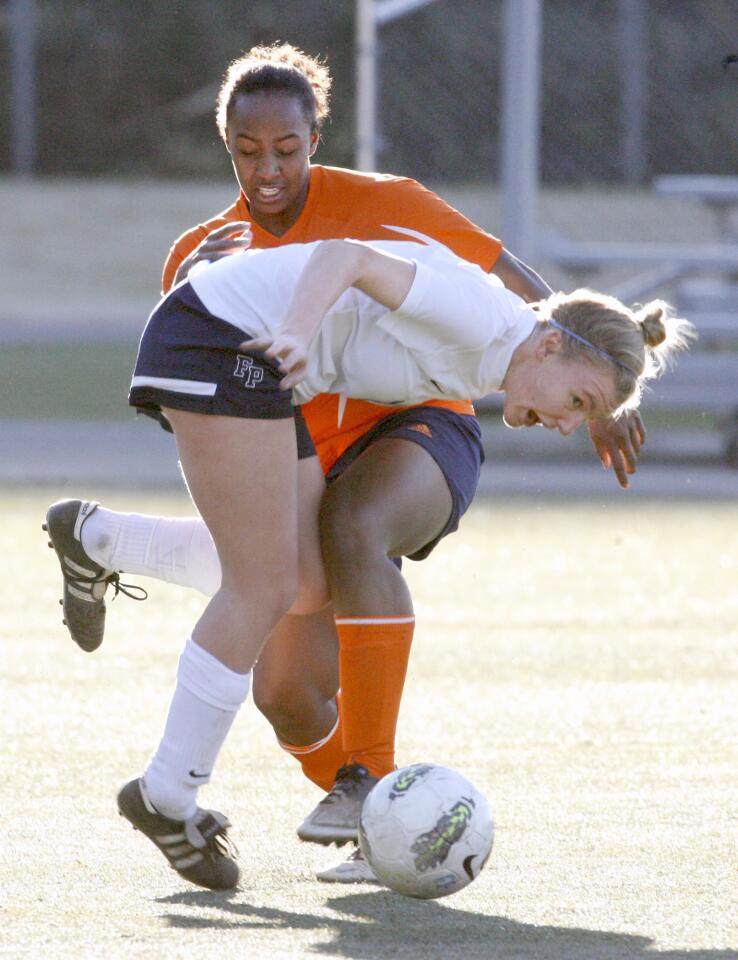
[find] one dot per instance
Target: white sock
(204, 705)
(177, 550)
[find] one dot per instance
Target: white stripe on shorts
(197, 388)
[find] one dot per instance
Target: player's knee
(349, 530)
(284, 701)
(273, 596)
(313, 594)
(311, 599)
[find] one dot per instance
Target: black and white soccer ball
(426, 831)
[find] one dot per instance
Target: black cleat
(198, 849)
(85, 582)
(336, 817)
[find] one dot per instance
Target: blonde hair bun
(640, 343)
(651, 319)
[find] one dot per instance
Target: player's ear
(548, 343)
(314, 141)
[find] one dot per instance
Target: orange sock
(321, 760)
(373, 657)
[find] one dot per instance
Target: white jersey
(451, 339)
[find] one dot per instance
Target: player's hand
(287, 349)
(618, 443)
(228, 239)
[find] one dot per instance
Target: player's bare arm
(334, 267)
(520, 278)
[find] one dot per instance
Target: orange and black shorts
(454, 440)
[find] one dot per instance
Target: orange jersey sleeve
(410, 211)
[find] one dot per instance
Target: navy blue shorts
(189, 360)
(454, 440)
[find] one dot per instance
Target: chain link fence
(630, 88)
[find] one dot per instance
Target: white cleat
(354, 869)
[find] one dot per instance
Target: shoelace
(206, 839)
(131, 590)
(347, 777)
(213, 828)
(225, 845)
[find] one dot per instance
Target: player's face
(270, 142)
(558, 393)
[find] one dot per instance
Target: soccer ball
(426, 831)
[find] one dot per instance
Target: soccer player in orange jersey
(398, 479)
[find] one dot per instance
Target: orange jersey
(345, 204)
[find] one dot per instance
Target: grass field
(578, 663)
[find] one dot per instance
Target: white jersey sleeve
(461, 308)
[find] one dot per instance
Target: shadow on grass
(382, 924)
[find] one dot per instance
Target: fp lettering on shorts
(248, 371)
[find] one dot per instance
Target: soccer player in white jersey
(452, 338)
(221, 361)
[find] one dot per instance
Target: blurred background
(600, 141)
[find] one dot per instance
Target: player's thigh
(242, 476)
(394, 494)
(313, 593)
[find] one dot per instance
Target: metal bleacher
(701, 281)
(705, 379)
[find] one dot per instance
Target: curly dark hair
(282, 68)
